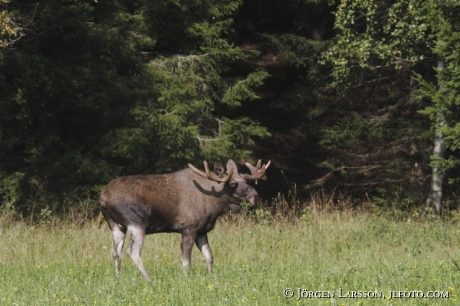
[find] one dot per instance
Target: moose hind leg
(201, 242)
(135, 248)
(118, 236)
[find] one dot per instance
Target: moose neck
(218, 194)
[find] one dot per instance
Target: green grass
(253, 263)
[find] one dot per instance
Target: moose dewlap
(188, 202)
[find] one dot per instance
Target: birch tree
(377, 45)
(375, 35)
(442, 17)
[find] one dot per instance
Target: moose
(188, 202)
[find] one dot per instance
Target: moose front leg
(188, 237)
(201, 241)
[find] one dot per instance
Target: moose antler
(209, 175)
(257, 172)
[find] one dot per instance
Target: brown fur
(182, 202)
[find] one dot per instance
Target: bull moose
(188, 202)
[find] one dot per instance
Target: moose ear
(232, 165)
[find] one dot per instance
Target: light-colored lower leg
(118, 237)
(202, 243)
(135, 248)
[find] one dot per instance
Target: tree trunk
(435, 197)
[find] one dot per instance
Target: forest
(353, 100)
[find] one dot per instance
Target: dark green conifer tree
(98, 89)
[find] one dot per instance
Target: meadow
(334, 258)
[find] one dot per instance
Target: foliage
(99, 89)
(379, 145)
(187, 113)
(445, 107)
(8, 29)
(375, 35)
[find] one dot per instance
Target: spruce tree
(98, 89)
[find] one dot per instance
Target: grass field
(329, 258)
